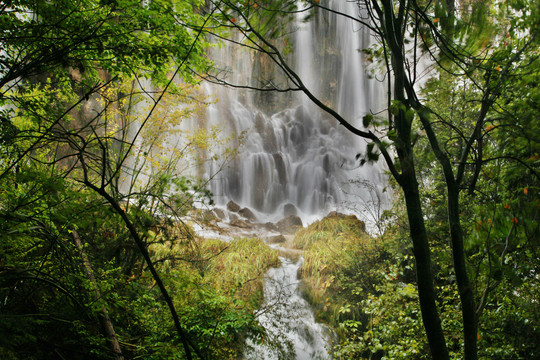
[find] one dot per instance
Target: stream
(288, 319)
(292, 333)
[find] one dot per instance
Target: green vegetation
(218, 286)
(93, 181)
(95, 262)
(50, 304)
(458, 136)
(334, 247)
(365, 288)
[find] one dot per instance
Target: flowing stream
(294, 155)
(288, 319)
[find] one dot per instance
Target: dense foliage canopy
(95, 262)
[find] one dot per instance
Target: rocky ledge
(243, 222)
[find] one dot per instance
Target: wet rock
(326, 163)
(260, 181)
(281, 168)
(290, 209)
(208, 216)
(248, 214)
(353, 218)
(289, 224)
(266, 132)
(278, 239)
(219, 213)
(203, 215)
(260, 122)
(232, 206)
(233, 217)
(270, 226)
(241, 224)
(270, 140)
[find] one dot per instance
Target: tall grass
(328, 229)
(338, 256)
(240, 269)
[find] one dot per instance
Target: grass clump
(329, 228)
(336, 252)
(239, 270)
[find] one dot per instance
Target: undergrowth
(217, 287)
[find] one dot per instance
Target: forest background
(95, 261)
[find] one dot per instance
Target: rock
(276, 239)
(248, 214)
(204, 215)
(289, 224)
(219, 213)
(260, 122)
(233, 217)
(353, 218)
(260, 181)
(270, 226)
(290, 209)
(281, 168)
(232, 206)
(241, 224)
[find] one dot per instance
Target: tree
(58, 60)
(444, 33)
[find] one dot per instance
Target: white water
(293, 153)
(292, 332)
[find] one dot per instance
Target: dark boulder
(248, 214)
(270, 226)
(232, 206)
(219, 213)
(278, 239)
(289, 224)
(241, 224)
(290, 209)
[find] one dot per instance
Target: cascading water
(288, 320)
(293, 153)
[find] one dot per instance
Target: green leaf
(367, 120)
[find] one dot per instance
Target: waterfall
(294, 153)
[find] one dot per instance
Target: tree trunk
(424, 276)
(409, 183)
(466, 296)
(104, 318)
(468, 309)
(184, 338)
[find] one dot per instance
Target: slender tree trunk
(424, 276)
(468, 309)
(466, 296)
(184, 338)
(104, 318)
(408, 181)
